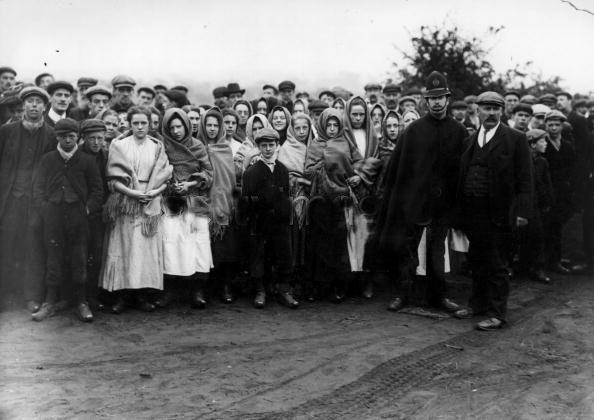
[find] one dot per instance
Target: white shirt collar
(54, 116)
(490, 133)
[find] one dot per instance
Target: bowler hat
(59, 85)
(234, 88)
(66, 125)
(490, 98)
(436, 85)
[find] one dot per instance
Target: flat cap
(413, 91)
(66, 125)
(267, 133)
(392, 88)
(407, 99)
(34, 91)
(122, 80)
(522, 107)
(97, 89)
(470, 99)
(512, 92)
(146, 89)
(177, 96)
(269, 86)
(555, 115)
(529, 99)
(490, 98)
(219, 92)
(372, 85)
(540, 109)
(10, 98)
(41, 76)
(159, 87)
(60, 84)
(286, 84)
(548, 98)
(565, 93)
(580, 103)
(6, 69)
(327, 92)
(535, 134)
(86, 82)
(459, 105)
(91, 125)
(182, 88)
(317, 105)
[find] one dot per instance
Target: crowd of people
(132, 197)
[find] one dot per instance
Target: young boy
(532, 236)
(67, 189)
(267, 207)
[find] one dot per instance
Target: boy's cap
(269, 134)
(535, 134)
(66, 125)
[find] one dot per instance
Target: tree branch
(577, 8)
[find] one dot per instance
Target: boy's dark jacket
(80, 171)
(543, 186)
(265, 201)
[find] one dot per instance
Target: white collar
(54, 116)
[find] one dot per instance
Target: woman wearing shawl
(186, 239)
(332, 164)
(193, 113)
(280, 120)
(224, 193)
(300, 107)
(263, 106)
(409, 116)
(339, 104)
(244, 111)
(292, 155)
(377, 113)
(137, 174)
(111, 120)
(390, 130)
(249, 152)
(359, 130)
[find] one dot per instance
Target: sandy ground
(353, 360)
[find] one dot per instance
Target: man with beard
(391, 96)
(22, 144)
(521, 115)
(123, 92)
(495, 177)
(420, 184)
(60, 99)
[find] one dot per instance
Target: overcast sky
(317, 43)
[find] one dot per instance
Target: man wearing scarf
(22, 144)
(420, 189)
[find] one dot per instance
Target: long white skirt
(357, 235)
(422, 255)
(186, 244)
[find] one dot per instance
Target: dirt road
(354, 360)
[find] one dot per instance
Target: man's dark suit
(489, 207)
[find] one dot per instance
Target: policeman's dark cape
(420, 181)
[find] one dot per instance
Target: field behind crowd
(354, 360)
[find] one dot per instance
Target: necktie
(483, 141)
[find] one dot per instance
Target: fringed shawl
(119, 169)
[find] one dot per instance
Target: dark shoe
(144, 305)
(368, 291)
(561, 269)
(396, 304)
(33, 306)
(227, 295)
(464, 313)
(260, 300)
(47, 310)
(95, 304)
(287, 299)
(119, 306)
(490, 324)
(84, 312)
(164, 300)
(540, 276)
(338, 295)
(449, 305)
(197, 300)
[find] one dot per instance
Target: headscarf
(340, 100)
(189, 159)
(410, 111)
(305, 105)
(271, 102)
(241, 128)
(202, 136)
(250, 124)
(370, 135)
(292, 152)
(282, 133)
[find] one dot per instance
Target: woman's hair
(138, 110)
(297, 117)
(232, 112)
(190, 108)
(107, 113)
